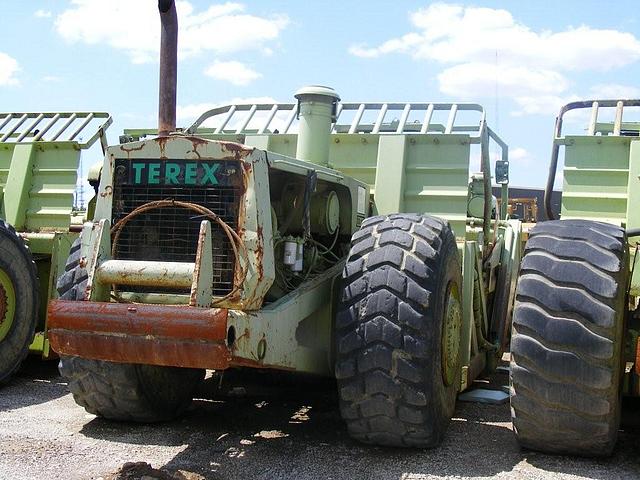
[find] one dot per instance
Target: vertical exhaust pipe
(168, 67)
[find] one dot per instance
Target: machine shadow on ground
(43, 380)
(292, 429)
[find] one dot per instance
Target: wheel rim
(452, 325)
(7, 304)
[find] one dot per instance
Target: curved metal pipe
(633, 232)
(553, 166)
(168, 67)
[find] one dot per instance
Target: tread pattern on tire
(566, 344)
(72, 283)
(384, 331)
(119, 391)
(14, 348)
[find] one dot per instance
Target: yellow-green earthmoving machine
(39, 160)
(574, 347)
(319, 237)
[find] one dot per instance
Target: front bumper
(170, 335)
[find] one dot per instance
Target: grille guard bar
(105, 272)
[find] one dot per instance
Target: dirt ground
(275, 428)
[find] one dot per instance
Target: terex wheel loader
(248, 241)
(574, 346)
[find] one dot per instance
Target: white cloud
(484, 49)
(518, 153)
(541, 104)
(43, 13)
(521, 157)
(234, 72)
(474, 79)
(192, 111)
(614, 91)
(134, 27)
(455, 34)
(51, 79)
(8, 69)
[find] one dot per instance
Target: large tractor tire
(19, 299)
(398, 331)
(567, 339)
(122, 391)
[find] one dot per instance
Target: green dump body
(39, 161)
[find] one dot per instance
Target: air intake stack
(317, 107)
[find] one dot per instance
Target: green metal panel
(283, 144)
(6, 153)
(16, 190)
(356, 156)
(410, 173)
(390, 174)
(40, 185)
(596, 178)
(633, 187)
(437, 175)
(294, 332)
(52, 187)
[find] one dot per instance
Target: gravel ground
(293, 431)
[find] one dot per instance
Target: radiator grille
(171, 234)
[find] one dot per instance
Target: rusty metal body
(256, 324)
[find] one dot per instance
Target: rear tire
(398, 369)
(122, 391)
(19, 299)
(567, 340)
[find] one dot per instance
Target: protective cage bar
(595, 106)
(594, 128)
(84, 128)
(389, 118)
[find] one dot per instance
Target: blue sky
(521, 60)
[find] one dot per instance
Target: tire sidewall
(444, 395)
(18, 266)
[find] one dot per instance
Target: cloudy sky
(521, 60)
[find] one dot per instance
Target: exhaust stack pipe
(168, 67)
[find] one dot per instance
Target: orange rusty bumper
(170, 335)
